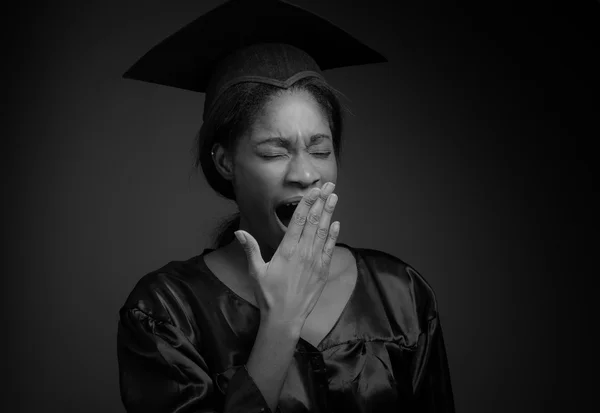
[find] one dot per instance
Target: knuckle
(299, 219)
(322, 233)
(327, 253)
(324, 273)
(287, 252)
(304, 254)
(333, 236)
(314, 219)
(308, 201)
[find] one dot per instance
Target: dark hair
(233, 114)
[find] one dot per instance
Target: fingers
(252, 251)
(327, 255)
(324, 225)
(296, 225)
(313, 219)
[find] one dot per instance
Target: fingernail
(332, 200)
(241, 238)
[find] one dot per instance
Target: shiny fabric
(183, 339)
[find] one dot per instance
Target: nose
(302, 171)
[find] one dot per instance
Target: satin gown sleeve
(431, 374)
(434, 393)
(160, 370)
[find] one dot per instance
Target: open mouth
(285, 212)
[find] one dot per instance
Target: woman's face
(287, 152)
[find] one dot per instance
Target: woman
(280, 318)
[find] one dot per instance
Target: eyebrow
(286, 143)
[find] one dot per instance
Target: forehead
(291, 114)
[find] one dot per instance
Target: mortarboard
(268, 41)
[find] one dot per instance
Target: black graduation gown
(184, 338)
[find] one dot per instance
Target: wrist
(287, 329)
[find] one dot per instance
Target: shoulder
(400, 282)
(163, 293)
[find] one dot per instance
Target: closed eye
(318, 154)
(322, 154)
(270, 156)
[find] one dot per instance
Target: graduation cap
(267, 41)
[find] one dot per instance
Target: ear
(223, 161)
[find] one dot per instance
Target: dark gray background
(468, 156)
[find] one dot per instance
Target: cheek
(254, 186)
(330, 170)
(258, 176)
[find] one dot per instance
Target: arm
(271, 357)
(160, 370)
(433, 389)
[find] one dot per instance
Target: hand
(289, 285)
